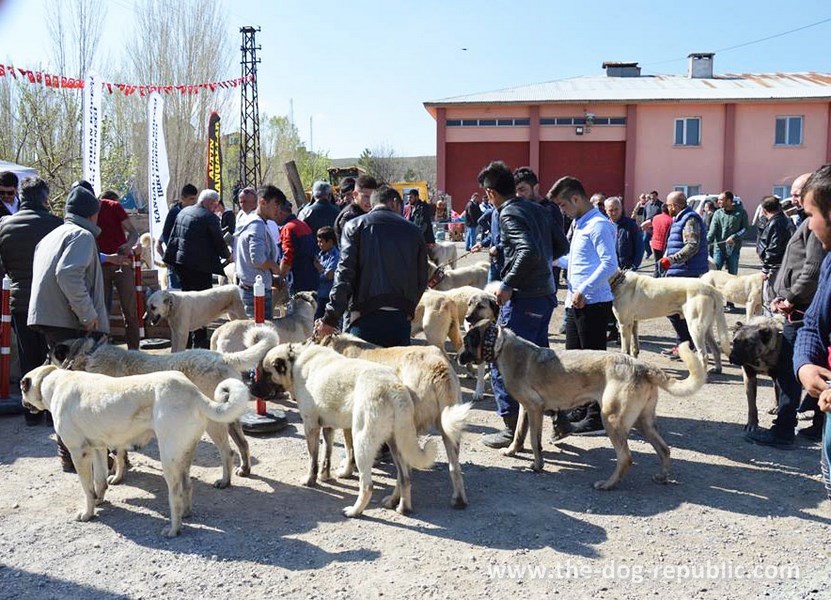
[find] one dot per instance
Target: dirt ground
(737, 520)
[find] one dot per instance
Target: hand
(117, 259)
(825, 401)
(730, 241)
(476, 247)
(781, 305)
(665, 263)
(430, 246)
(494, 251)
(647, 226)
(322, 329)
(503, 295)
(91, 325)
(814, 378)
(578, 300)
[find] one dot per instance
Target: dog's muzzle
(29, 407)
(152, 320)
(466, 357)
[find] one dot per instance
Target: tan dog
(436, 315)
(189, 311)
(94, 412)
(349, 393)
(745, 290)
(473, 275)
(541, 379)
(436, 393)
(445, 254)
(639, 298)
(148, 260)
(205, 369)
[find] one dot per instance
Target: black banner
(214, 155)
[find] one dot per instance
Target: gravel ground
(737, 521)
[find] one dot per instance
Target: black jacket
(19, 234)
(320, 214)
(530, 243)
(773, 240)
(196, 241)
(799, 274)
(421, 215)
(349, 212)
(472, 213)
(383, 263)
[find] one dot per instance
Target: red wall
(600, 166)
(466, 159)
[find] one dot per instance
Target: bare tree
(382, 163)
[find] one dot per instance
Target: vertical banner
(158, 171)
(91, 144)
(214, 155)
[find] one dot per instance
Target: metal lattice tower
(249, 143)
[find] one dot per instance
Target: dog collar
(489, 343)
(436, 278)
(617, 279)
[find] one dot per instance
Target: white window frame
(782, 191)
(685, 188)
(787, 119)
(684, 135)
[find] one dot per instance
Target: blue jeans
(529, 319)
(173, 279)
(647, 249)
(470, 237)
(247, 295)
(386, 328)
(721, 257)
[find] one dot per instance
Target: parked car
(697, 202)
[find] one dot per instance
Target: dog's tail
(404, 432)
(690, 385)
(454, 419)
(231, 401)
(258, 341)
(721, 323)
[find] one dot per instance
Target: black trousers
(195, 281)
(586, 327)
(31, 345)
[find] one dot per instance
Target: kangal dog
(148, 260)
(638, 298)
(445, 254)
(295, 327)
(474, 275)
(745, 290)
(350, 393)
(205, 369)
(436, 393)
(541, 379)
(94, 412)
(189, 311)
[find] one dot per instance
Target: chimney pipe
(701, 65)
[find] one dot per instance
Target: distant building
(626, 133)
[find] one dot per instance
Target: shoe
(812, 433)
(562, 427)
(591, 425)
(670, 352)
(767, 437)
(504, 438)
(562, 329)
(577, 414)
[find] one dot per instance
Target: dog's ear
(26, 384)
(737, 326)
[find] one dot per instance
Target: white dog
(189, 311)
(445, 254)
(149, 262)
(474, 275)
(349, 393)
(94, 412)
(745, 290)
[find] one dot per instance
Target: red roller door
(599, 165)
(464, 160)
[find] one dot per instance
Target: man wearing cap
(67, 284)
(320, 212)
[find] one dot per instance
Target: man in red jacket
(299, 247)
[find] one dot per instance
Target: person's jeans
(647, 237)
(723, 254)
(529, 319)
(247, 295)
(123, 278)
(790, 390)
(470, 237)
(658, 254)
(196, 281)
(173, 281)
(386, 328)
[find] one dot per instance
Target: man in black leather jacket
(773, 240)
(527, 293)
(381, 275)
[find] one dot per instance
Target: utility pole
(249, 150)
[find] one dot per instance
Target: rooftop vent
(622, 69)
(701, 65)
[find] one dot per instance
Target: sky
(360, 70)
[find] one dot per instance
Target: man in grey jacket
(67, 284)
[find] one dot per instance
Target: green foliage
(281, 143)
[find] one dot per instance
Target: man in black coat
(773, 240)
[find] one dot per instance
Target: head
(188, 195)
(247, 199)
(269, 199)
(321, 190)
(347, 186)
(364, 186)
(771, 205)
(31, 388)
(481, 306)
(326, 239)
(757, 343)
(159, 305)
(482, 343)
(8, 186)
(413, 196)
(386, 196)
(84, 184)
(73, 354)
(796, 188)
(816, 200)
(475, 197)
(82, 203)
(614, 208)
(526, 182)
(109, 195)
(569, 194)
(35, 193)
(282, 209)
(277, 371)
(208, 199)
(725, 200)
(676, 202)
(709, 206)
(498, 182)
(653, 195)
(598, 200)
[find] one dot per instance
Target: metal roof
(658, 88)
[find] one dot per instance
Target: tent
(19, 170)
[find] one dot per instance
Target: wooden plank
(296, 184)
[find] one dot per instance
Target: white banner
(91, 144)
(158, 170)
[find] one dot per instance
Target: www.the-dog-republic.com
(637, 573)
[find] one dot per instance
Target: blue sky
(362, 69)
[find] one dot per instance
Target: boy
(325, 263)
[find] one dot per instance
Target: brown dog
(756, 348)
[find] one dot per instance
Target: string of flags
(61, 81)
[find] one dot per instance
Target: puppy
(189, 311)
(756, 347)
(94, 412)
(349, 393)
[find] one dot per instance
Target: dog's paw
(243, 471)
(510, 451)
(223, 483)
(537, 467)
(310, 481)
(114, 480)
(458, 502)
(169, 532)
(661, 478)
(324, 476)
(602, 486)
(751, 426)
(390, 501)
(351, 512)
(83, 516)
(344, 473)
(403, 509)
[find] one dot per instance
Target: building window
(782, 191)
(688, 190)
(582, 121)
(788, 131)
(487, 122)
(688, 131)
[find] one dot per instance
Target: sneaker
(562, 428)
(767, 437)
(812, 433)
(591, 425)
